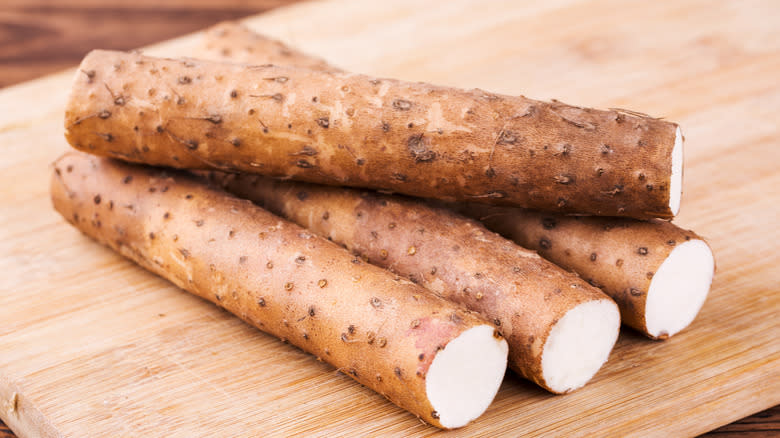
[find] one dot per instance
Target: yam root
(427, 355)
(354, 130)
(231, 41)
(658, 273)
(559, 328)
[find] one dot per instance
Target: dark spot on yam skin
(303, 164)
(565, 179)
(399, 176)
(261, 301)
(593, 256)
(325, 216)
(302, 195)
(127, 180)
(90, 74)
(671, 242)
(497, 322)
(96, 199)
(642, 250)
(397, 372)
(605, 149)
(507, 137)
(418, 147)
(360, 161)
(185, 80)
(549, 223)
(104, 114)
(159, 129)
(434, 415)
(650, 275)
(619, 262)
(311, 311)
(307, 151)
(184, 253)
(545, 244)
(410, 125)
(151, 236)
(635, 292)
(300, 260)
(402, 105)
(385, 126)
(199, 223)
(323, 122)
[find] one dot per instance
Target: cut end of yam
(675, 186)
(465, 376)
(678, 288)
(579, 344)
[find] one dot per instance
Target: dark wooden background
(44, 36)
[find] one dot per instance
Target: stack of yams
(414, 298)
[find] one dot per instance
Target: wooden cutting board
(92, 345)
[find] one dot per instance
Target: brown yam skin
(230, 41)
(617, 255)
(381, 330)
(354, 130)
(456, 257)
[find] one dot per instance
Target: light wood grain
(93, 345)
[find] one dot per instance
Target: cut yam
(441, 362)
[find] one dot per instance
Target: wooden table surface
(38, 37)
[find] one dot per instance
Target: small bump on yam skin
(423, 243)
(417, 138)
(300, 303)
(618, 255)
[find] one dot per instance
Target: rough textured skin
(354, 130)
(523, 294)
(617, 255)
(382, 330)
(230, 41)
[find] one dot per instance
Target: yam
(427, 355)
(355, 130)
(658, 273)
(560, 329)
